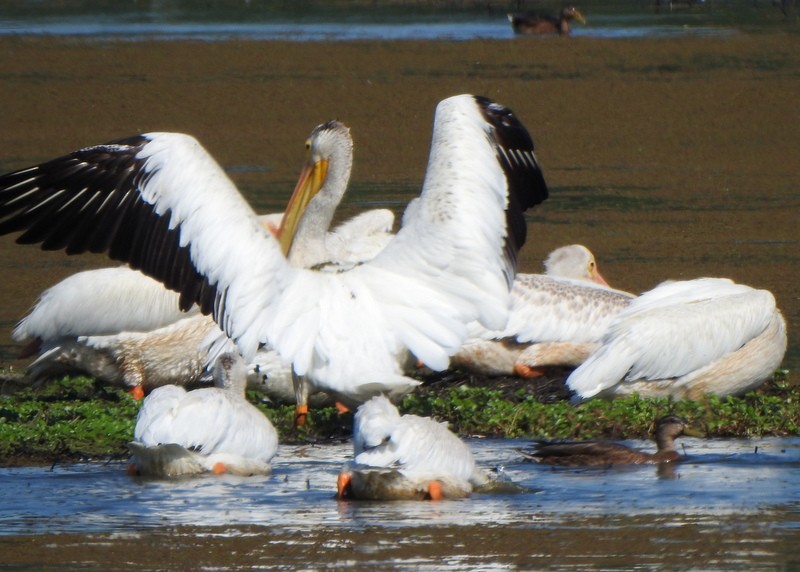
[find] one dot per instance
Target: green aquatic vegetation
(76, 418)
(70, 419)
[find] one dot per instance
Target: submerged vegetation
(77, 419)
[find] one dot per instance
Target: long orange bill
(308, 185)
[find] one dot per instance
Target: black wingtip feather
(526, 184)
(50, 204)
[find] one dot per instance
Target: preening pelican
(406, 457)
(602, 453)
(213, 429)
(545, 24)
(160, 203)
(122, 327)
(686, 339)
(556, 319)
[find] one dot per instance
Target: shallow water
(652, 218)
(346, 21)
(733, 503)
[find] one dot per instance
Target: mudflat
(670, 158)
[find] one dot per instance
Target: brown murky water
(670, 158)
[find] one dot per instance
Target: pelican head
(574, 261)
(328, 147)
(230, 372)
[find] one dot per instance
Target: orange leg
(527, 371)
(435, 490)
(137, 392)
(342, 485)
(342, 408)
(219, 468)
(300, 415)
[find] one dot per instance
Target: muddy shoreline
(670, 158)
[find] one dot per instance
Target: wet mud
(669, 158)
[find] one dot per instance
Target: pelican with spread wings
(162, 204)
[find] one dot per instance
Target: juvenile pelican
(406, 457)
(686, 339)
(160, 203)
(555, 319)
(213, 429)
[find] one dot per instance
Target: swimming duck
(405, 458)
(545, 24)
(213, 429)
(588, 453)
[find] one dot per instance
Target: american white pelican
(556, 319)
(160, 203)
(586, 453)
(213, 429)
(545, 24)
(406, 457)
(122, 327)
(686, 339)
(305, 230)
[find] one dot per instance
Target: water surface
(741, 494)
(346, 21)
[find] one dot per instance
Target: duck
(603, 453)
(160, 203)
(556, 319)
(211, 429)
(406, 457)
(686, 339)
(545, 24)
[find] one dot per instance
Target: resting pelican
(122, 327)
(556, 319)
(684, 340)
(406, 457)
(213, 429)
(601, 453)
(543, 24)
(160, 203)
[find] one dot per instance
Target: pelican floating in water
(556, 319)
(160, 203)
(602, 453)
(545, 24)
(406, 457)
(122, 327)
(213, 429)
(686, 339)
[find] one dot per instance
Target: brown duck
(545, 24)
(587, 453)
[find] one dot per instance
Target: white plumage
(161, 203)
(685, 339)
(125, 328)
(398, 457)
(212, 429)
(555, 319)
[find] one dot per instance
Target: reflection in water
(729, 505)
